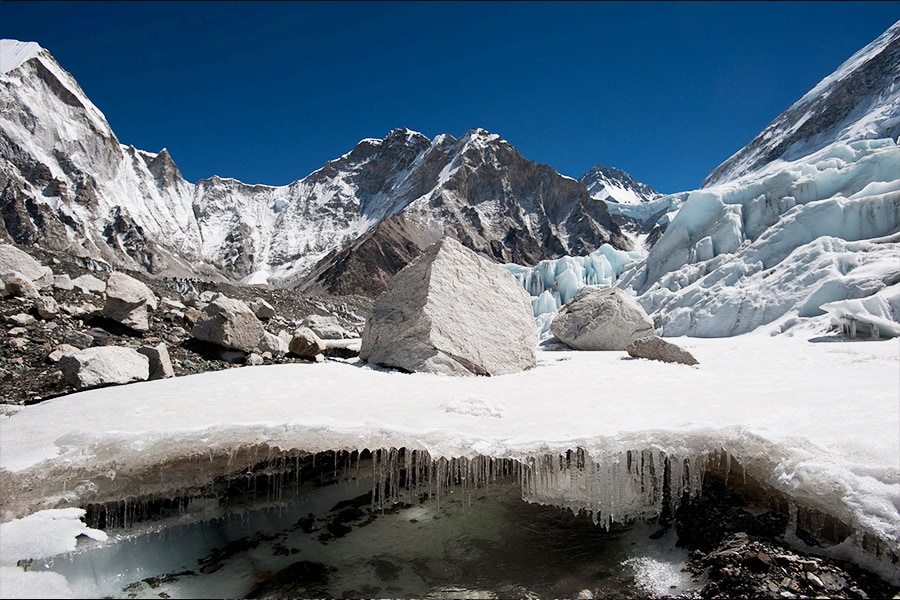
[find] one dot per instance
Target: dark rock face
(367, 265)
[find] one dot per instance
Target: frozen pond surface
(331, 541)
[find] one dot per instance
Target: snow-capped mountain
(802, 222)
(638, 209)
(68, 183)
(480, 190)
(858, 101)
(616, 186)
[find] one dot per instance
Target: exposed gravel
(27, 375)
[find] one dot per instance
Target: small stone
(79, 339)
(17, 342)
(305, 343)
(160, 362)
(262, 309)
(63, 282)
(61, 350)
(655, 348)
(813, 579)
(19, 285)
(128, 301)
(46, 307)
(89, 284)
(191, 316)
(21, 319)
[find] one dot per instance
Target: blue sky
(267, 92)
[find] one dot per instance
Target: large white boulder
(605, 319)
(229, 323)
(104, 365)
(88, 284)
(129, 301)
(452, 312)
(12, 259)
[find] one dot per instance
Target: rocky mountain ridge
(68, 184)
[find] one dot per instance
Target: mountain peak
(859, 100)
(13, 53)
(478, 135)
(617, 186)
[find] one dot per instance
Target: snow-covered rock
(70, 185)
(104, 365)
(604, 319)
(615, 186)
(229, 323)
(860, 100)
(452, 312)
(128, 301)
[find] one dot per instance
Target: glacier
(771, 249)
(578, 428)
(777, 245)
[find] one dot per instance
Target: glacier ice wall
(794, 241)
(553, 283)
(778, 244)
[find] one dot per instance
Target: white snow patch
(13, 53)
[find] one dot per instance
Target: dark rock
(303, 579)
(305, 343)
(656, 348)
